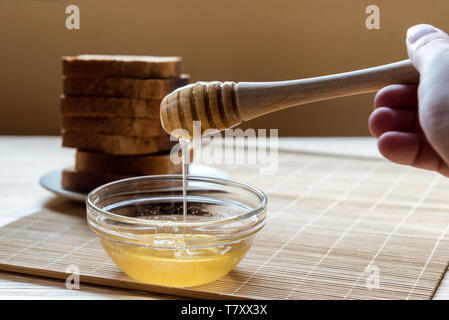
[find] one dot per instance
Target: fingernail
(416, 32)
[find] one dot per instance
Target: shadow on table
(61, 205)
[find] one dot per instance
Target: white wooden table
(24, 159)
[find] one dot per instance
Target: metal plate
(52, 180)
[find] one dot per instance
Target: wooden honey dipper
(222, 105)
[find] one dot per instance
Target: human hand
(411, 122)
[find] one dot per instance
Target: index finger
(397, 96)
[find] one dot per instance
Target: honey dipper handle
(258, 98)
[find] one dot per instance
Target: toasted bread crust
(121, 126)
(122, 66)
(86, 181)
(115, 144)
(109, 107)
(122, 87)
(130, 165)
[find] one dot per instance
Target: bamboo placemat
(334, 224)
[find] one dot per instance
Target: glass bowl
(140, 224)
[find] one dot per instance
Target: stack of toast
(110, 114)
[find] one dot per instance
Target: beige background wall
(251, 40)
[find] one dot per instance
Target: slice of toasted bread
(109, 107)
(122, 66)
(86, 181)
(115, 144)
(122, 87)
(131, 165)
(130, 127)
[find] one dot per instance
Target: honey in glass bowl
(140, 224)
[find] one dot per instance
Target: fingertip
(385, 144)
(412, 149)
(416, 32)
(397, 96)
(382, 97)
(425, 41)
(399, 147)
(375, 122)
(385, 119)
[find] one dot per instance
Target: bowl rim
(158, 223)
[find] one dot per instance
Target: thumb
(425, 44)
(428, 48)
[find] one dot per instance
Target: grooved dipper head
(212, 103)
